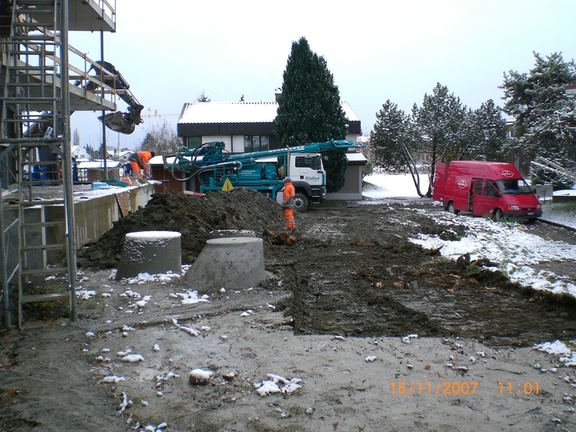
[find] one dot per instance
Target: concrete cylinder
(227, 262)
(231, 233)
(150, 252)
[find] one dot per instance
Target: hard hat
(287, 179)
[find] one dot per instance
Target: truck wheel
(497, 215)
(450, 208)
(301, 202)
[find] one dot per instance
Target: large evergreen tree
(309, 109)
(440, 123)
(440, 126)
(391, 132)
(486, 135)
(545, 116)
(392, 142)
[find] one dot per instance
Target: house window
(193, 142)
(254, 143)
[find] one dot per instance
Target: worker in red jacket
(140, 162)
(288, 203)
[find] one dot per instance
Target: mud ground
(341, 312)
(353, 261)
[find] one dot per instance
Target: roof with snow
(239, 112)
(356, 157)
(98, 164)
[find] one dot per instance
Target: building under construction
(44, 81)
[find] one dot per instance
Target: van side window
(478, 187)
(490, 190)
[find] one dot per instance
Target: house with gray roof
(242, 126)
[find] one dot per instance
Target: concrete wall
(95, 216)
(352, 189)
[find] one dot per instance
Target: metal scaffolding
(41, 87)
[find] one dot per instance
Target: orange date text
(447, 388)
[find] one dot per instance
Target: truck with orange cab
(495, 189)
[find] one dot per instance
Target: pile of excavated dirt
(195, 217)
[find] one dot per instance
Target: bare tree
(161, 140)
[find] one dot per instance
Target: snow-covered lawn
(508, 244)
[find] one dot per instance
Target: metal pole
(67, 160)
(104, 145)
(3, 279)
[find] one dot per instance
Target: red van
(495, 189)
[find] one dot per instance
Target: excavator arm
(122, 122)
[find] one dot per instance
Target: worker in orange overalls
(288, 203)
(140, 162)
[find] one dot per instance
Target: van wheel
(450, 208)
(497, 216)
(301, 202)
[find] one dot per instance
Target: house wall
(80, 153)
(238, 144)
(235, 143)
(353, 137)
(226, 139)
(352, 189)
(167, 181)
(233, 134)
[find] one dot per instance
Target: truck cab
(307, 173)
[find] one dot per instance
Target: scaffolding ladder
(34, 130)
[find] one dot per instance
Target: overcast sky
(172, 51)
